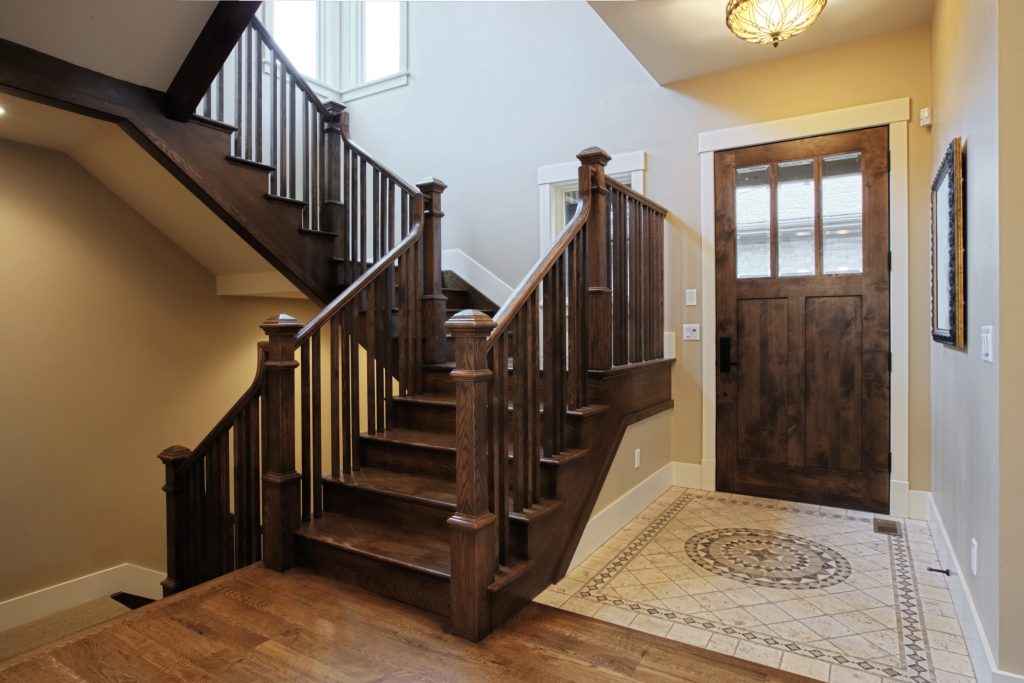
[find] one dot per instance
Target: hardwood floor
(258, 625)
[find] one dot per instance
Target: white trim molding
(129, 578)
(473, 272)
(892, 113)
(986, 669)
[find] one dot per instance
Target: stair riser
(399, 458)
(428, 417)
(420, 590)
(438, 381)
(369, 504)
(457, 299)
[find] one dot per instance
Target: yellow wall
(117, 346)
(887, 67)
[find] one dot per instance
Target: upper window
(345, 49)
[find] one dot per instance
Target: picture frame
(949, 250)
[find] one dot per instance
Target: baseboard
(129, 578)
(985, 667)
(686, 474)
(470, 270)
(608, 521)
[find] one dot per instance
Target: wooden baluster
(532, 404)
(280, 480)
(659, 286)
(181, 520)
(292, 131)
(363, 261)
(307, 175)
(219, 84)
(635, 266)
(222, 505)
(306, 453)
(520, 383)
(258, 44)
(250, 73)
(339, 460)
(433, 299)
(558, 367)
(238, 96)
(599, 313)
(474, 552)
(417, 297)
(402, 338)
(573, 396)
(619, 245)
(382, 337)
(647, 289)
(275, 157)
(388, 341)
(370, 339)
(548, 370)
(499, 448)
(240, 432)
(352, 393)
(377, 223)
(255, 476)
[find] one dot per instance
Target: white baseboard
(686, 474)
(986, 668)
(608, 521)
(470, 270)
(129, 578)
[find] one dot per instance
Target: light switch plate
(691, 332)
(691, 297)
(986, 343)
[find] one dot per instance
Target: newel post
(179, 523)
(281, 483)
(434, 301)
(599, 293)
(473, 527)
(334, 152)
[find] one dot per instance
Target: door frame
(892, 113)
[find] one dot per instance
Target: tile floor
(807, 589)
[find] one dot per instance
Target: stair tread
(432, 399)
(410, 485)
(412, 549)
(415, 437)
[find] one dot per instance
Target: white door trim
(895, 114)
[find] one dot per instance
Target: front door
(802, 303)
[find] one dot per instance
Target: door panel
(802, 303)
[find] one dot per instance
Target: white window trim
(341, 61)
(552, 180)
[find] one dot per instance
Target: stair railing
(281, 124)
(592, 301)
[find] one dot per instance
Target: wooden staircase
(413, 438)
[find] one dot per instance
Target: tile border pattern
(914, 651)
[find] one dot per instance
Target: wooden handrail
(247, 396)
(296, 77)
(532, 281)
(352, 291)
(379, 166)
(633, 194)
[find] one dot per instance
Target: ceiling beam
(207, 56)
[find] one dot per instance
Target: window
(559, 190)
(346, 49)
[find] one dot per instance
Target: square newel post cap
(470, 323)
(174, 454)
(334, 107)
(594, 155)
(431, 185)
(280, 324)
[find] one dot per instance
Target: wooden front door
(802, 301)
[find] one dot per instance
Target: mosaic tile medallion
(772, 582)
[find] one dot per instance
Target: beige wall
(650, 436)
(1011, 331)
(965, 391)
(485, 126)
(118, 347)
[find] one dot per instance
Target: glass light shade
(771, 21)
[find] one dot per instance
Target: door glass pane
(796, 217)
(753, 222)
(842, 214)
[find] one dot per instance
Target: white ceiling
(676, 40)
(114, 159)
(141, 41)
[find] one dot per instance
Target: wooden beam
(216, 41)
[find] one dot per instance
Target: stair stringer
(194, 153)
(631, 393)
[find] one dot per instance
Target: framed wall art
(949, 250)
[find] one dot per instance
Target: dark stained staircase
(412, 438)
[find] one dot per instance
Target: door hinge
(890, 260)
(888, 360)
(888, 160)
(890, 461)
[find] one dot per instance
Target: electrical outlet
(691, 297)
(974, 556)
(636, 459)
(691, 332)
(925, 117)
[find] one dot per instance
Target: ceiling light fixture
(771, 21)
(2, 111)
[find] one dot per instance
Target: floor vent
(887, 526)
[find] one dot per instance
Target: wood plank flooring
(258, 625)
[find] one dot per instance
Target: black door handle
(725, 364)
